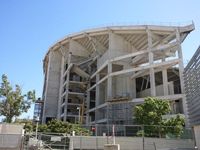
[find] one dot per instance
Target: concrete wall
(102, 59)
(117, 47)
(11, 129)
(129, 143)
(121, 86)
(102, 93)
(10, 136)
(112, 147)
(77, 49)
(159, 91)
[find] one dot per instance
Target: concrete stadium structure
(97, 76)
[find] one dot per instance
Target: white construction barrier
(11, 136)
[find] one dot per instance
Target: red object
(93, 128)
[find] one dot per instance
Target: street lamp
(79, 113)
(37, 119)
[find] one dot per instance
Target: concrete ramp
(80, 72)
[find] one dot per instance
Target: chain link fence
(46, 141)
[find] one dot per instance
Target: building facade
(192, 90)
(97, 76)
(192, 84)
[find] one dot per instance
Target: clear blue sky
(29, 28)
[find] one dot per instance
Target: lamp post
(79, 114)
(37, 119)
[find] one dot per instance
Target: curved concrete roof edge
(125, 27)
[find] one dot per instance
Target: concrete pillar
(88, 102)
(134, 88)
(165, 81)
(181, 69)
(47, 81)
(180, 56)
(61, 85)
(109, 84)
(97, 91)
(151, 61)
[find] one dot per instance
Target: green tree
(28, 124)
(57, 126)
(12, 102)
(150, 114)
(176, 125)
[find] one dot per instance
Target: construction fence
(134, 137)
(129, 137)
(47, 141)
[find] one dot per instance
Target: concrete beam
(168, 97)
(97, 45)
(155, 65)
(164, 47)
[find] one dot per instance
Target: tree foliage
(28, 124)
(12, 102)
(150, 114)
(56, 126)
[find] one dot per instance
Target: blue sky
(29, 28)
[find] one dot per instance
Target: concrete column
(88, 104)
(134, 88)
(181, 66)
(97, 102)
(61, 86)
(151, 61)
(109, 83)
(47, 81)
(67, 87)
(165, 80)
(181, 69)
